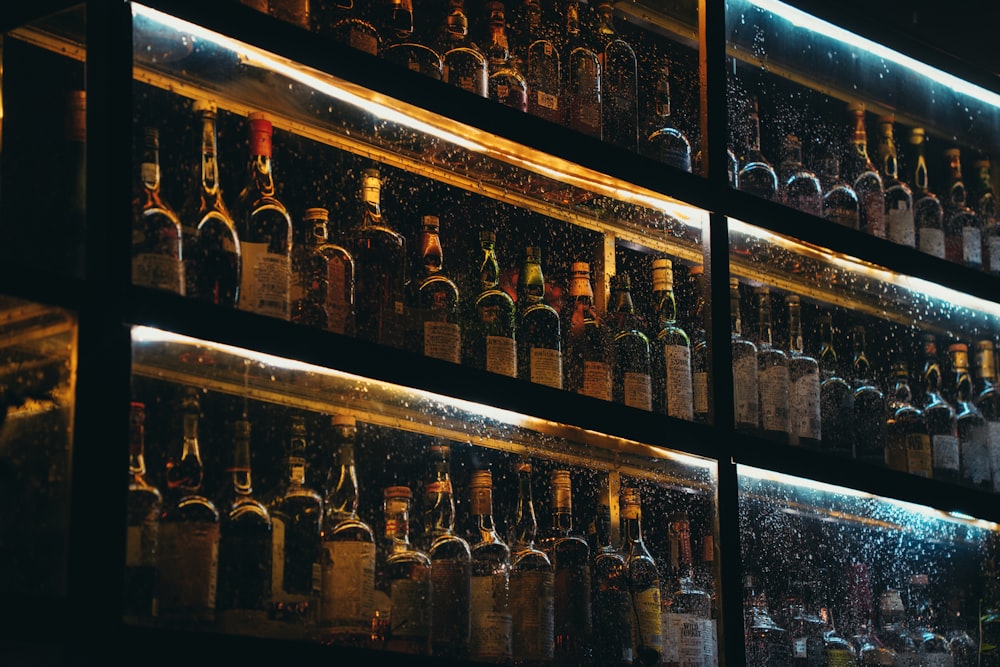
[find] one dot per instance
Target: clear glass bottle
(695, 324)
(142, 527)
(773, 375)
(746, 401)
(583, 75)
(864, 177)
(672, 384)
(433, 321)
(406, 578)
(586, 339)
(941, 420)
(631, 382)
(870, 409)
(491, 342)
(987, 400)
(908, 442)
(643, 583)
(799, 187)
(973, 431)
(932, 647)
(405, 46)
(265, 230)
(538, 50)
(898, 196)
(539, 337)
(506, 83)
(803, 382)
(836, 394)
(610, 598)
(346, 22)
(666, 142)
(767, 643)
(619, 81)
(157, 253)
(465, 65)
(756, 174)
(928, 213)
(309, 284)
(686, 605)
(983, 201)
(840, 201)
(963, 242)
(491, 639)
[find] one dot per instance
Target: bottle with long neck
(539, 337)
(928, 213)
(799, 187)
(491, 343)
(925, 623)
(864, 177)
(836, 395)
(405, 45)
(156, 230)
(506, 83)
(767, 643)
(972, 427)
(963, 241)
(346, 22)
(144, 505)
(940, 415)
(491, 639)
(643, 583)
(586, 339)
(265, 231)
(686, 605)
(987, 399)
(665, 141)
(537, 47)
(695, 324)
(610, 597)
(773, 375)
(212, 266)
(631, 384)
(583, 76)
(746, 401)
(347, 572)
(908, 443)
(406, 578)
(870, 410)
(672, 348)
(898, 196)
(756, 174)
(465, 65)
(620, 80)
(433, 323)
(803, 382)
(840, 201)
(309, 286)
(983, 201)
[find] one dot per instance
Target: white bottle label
(972, 246)
(975, 457)
(188, 567)
(945, 452)
(277, 557)
(900, 221)
(699, 392)
(492, 630)
(410, 616)
(994, 258)
(774, 399)
(159, 271)
(805, 406)
(683, 640)
(443, 340)
(265, 281)
(745, 390)
(597, 380)
(680, 402)
(347, 597)
(501, 355)
(546, 367)
(638, 391)
(932, 242)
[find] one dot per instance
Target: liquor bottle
(837, 648)
(394, 20)
(586, 339)
(465, 65)
(297, 522)
(532, 582)
(570, 557)
(631, 384)
(141, 533)
(836, 395)
(665, 142)
(908, 443)
(212, 265)
(870, 409)
(746, 401)
(963, 242)
(610, 598)
(973, 431)
(983, 201)
(773, 375)
(803, 383)
(705, 578)
(892, 628)
(963, 647)
(491, 342)
(898, 196)
(987, 400)
(406, 578)
(347, 556)
(404, 45)
(941, 420)
(583, 87)
(767, 643)
(804, 626)
(295, 12)
(928, 213)
(265, 231)
(244, 546)
(840, 201)
(620, 81)
(686, 605)
(491, 639)
(322, 277)
(643, 583)
(538, 50)
(756, 174)
(189, 532)
(695, 323)
(156, 230)
(340, 277)
(346, 22)
(864, 177)
(379, 253)
(506, 84)
(799, 187)
(871, 650)
(433, 322)
(539, 337)
(671, 357)
(932, 647)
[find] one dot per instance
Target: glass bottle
(705, 578)
(402, 46)
(539, 337)
(864, 177)
(505, 83)
(643, 583)
(631, 384)
(156, 230)
(379, 253)
(620, 81)
(871, 650)
(928, 213)
(767, 643)
(532, 582)
(188, 559)
(295, 12)
(840, 201)
(583, 75)
(265, 231)
(406, 578)
(973, 431)
(687, 606)
(940, 415)
(799, 187)
(325, 276)
(142, 528)
(491, 639)
(538, 50)
(673, 394)
(898, 196)
(804, 626)
(908, 443)
(244, 546)
(491, 341)
(803, 382)
(465, 65)
(983, 202)
(212, 266)
(964, 647)
(892, 628)
(987, 400)
(773, 375)
(347, 556)
(666, 142)
(836, 395)
(297, 522)
(870, 409)
(433, 322)
(756, 174)
(346, 22)
(586, 339)
(695, 323)
(963, 241)
(610, 598)
(746, 401)
(932, 647)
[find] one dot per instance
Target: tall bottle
(405, 46)
(840, 201)
(643, 583)
(798, 187)
(584, 88)
(189, 532)
(265, 231)
(586, 339)
(908, 443)
(539, 330)
(987, 400)
(746, 401)
(379, 253)
(433, 325)
(347, 22)
(537, 47)
(322, 277)
(941, 421)
(767, 643)
(620, 81)
(756, 174)
(142, 528)
(926, 621)
(695, 323)
(672, 349)
(531, 582)
(297, 522)
(963, 241)
(928, 213)
(803, 382)
(406, 578)
(506, 83)
(157, 253)
(864, 177)
(244, 546)
(347, 569)
(490, 340)
(611, 599)
(631, 383)
(465, 65)
(898, 196)
(772, 373)
(491, 639)
(973, 433)
(212, 265)
(666, 142)
(983, 201)
(836, 395)
(687, 606)
(870, 409)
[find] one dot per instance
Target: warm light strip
(801, 19)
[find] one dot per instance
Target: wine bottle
(870, 407)
(619, 81)
(864, 177)
(898, 196)
(141, 534)
(631, 384)
(836, 395)
(583, 75)
(465, 65)
(666, 142)
(340, 272)
(157, 255)
(539, 337)
(756, 174)
(537, 46)
(694, 322)
(505, 82)
(307, 294)
(672, 356)
(908, 442)
(746, 401)
(491, 639)
(840, 201)
(799, 188)
(586, 339)
(928, 213)
(941, 419)
(973, 431)
(803, 382)
(491, 343)
(406, 578)
(963, 241)
(772, 374)
(433, 323)
(643, 583)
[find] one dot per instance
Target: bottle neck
(827, 352)
(666, 300)
(498, 49)
(209, 161)
(734, 312)
(397, 523)
(150, 169)
(526, 526)
(531, 283)
(343, 499)
(481, 510)
(260, 161)
(764, 332)
(371, 191)
(136, 448)
(296, 473)
(240, 469)
(680, 548)
(920, 181)
(440, 502)
(431, 253)
(887, 149)
(795, 343)
(489, 268)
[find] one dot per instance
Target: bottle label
(699, 392)
(450, 622)
(900, 222)
(684, 640)
(277, 556)
(546, 367)
(932, 241)
(945, 453)
(159, 271)
(774, 399)
(994, 258)
(596, 380)
(532, 605)
(362, 40)
(745, 390)
(547, 100)
(410, 616)
(872, 206)
(638, 390)
(141, 544)
(975, 457)
(841, 658)
(918, 454)
(443, 340)
(339, 296)
(800, 648)
(501, 355)
(711, 638)
(680, 403)
(805, 405)
(492, 632)
(347, 599)
(895, 452)
(972, 246)
(993, 433)
(265, 281)
(189, 563)
(649, 623)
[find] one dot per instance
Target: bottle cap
(534, 253)
(481, 479)
(343, 420)
(524, 466)
(958, 347)
(952, 152)
(316, 213)
(734, 283)
(398, 492)
(792, 299)
(487, 236)
(440, 450)
(260, 122)
(580, 268)
(204, 106)
(560, 478)
(887, 119)
(696, 270)
(431, 223)
(917, 135)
